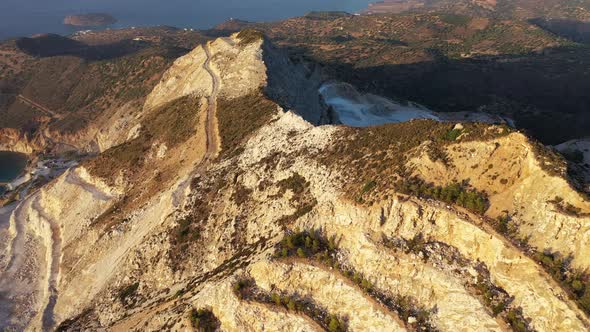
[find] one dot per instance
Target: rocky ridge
(143, 243)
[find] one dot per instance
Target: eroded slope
(285, 225)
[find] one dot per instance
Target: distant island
(90, 20)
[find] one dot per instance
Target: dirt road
(37, 106)
(211, 125)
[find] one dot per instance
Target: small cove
(12, 164)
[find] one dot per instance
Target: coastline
(10, 182)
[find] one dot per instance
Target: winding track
(53, 115)
(46, 312)
(37, 106)
(212, 149)
(212, 144)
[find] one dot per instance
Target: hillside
(568, 19)
(578, 10)
(60, 92)
(230, 202)
(452, 63)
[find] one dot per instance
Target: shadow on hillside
(546, 93)
(54, 45)
(295, 85)
(576, 31)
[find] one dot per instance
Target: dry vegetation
(496, 299)
(134, 163)
(452, 63)
(302, 199)
(504, 9)
(374, 158)
(315, 247)
(575, 282)
(171, 124)
(204, 320)
(455, 193)
(85, 75)
(240, 117)
(246, 289)
(189, 229)
(249, 36)
(365, 41)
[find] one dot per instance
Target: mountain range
(423, 167)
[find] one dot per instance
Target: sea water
(20, 18)
(12, 164)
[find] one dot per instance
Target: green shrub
(503, 224)
(204, 320)
(291, 305)
(453, 134)
(455, 19)
(323, 250)
(242, 287)
(296, 183)
(585, 300)
(126, 292)
(517, 324)
(367, 188)
(577, 286)
(276, 298)
(301, 253)
(576, 282)
(335, 325)
(454, 193)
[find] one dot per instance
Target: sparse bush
(567, 208)
(454, 193)
(367, 188)
(335, 325)
(204, 320)
(517, 324)
(584, 300)
(302, 199)
(249, 36)
(238, 118)
(127, 292)
(576, 282)
(453, 134)
(504, 226)
(324, 251)
(185, 230)
(296, 183)
(292, 302)
(241, 194)
(242, 287)
(380, 153)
